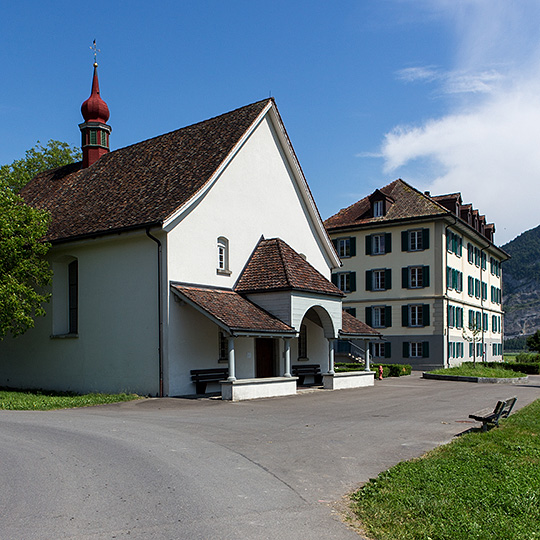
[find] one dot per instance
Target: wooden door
(264, 357)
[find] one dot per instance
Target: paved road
(207, 469)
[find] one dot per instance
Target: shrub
(522, 367)
(389, 370)
(528, 358)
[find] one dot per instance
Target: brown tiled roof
(275, 266)
(351, 326)
(408, 203)
(232, 310)
(141, 184)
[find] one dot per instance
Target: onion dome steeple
(95, 131)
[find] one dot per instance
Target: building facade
(425, 272)
(199, 249)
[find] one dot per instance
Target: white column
(287, 343)
(366, 347)
(331, 356)
(232, 365)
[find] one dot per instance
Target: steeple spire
(95, 131)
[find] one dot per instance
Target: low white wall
(348, 379)
(242, 389)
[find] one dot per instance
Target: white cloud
(487, 147)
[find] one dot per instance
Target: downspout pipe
(160, 316)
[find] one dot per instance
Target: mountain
(521, 284)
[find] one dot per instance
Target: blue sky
(442, 93)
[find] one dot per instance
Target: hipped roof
(275, 266)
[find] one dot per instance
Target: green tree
(37, 159)
(533, 342)
(473, 335)
(23, 270)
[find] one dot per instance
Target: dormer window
(223, 256)
(378, 208)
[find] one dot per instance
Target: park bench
(491, 417)
(201, 377)
(302, 370)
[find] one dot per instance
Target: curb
(491, 380)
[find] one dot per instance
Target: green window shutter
(405, 349)
(388, 316)
(425, 314)
(351, 311)
(425, 238)
(387, 349)
(405, 315)
(352, 244)
(353, 281)
(368, 244)
(335, 242)
(388, 279)
(369, 319)
(369, 280)
(405, 278)
(425, 349)
(388, 242)
(425, 276)
(335, 279)
(404, 241)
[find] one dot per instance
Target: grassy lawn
(42, 400)
(482, 486)
(479, 371)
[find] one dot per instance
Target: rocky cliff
(521, 284)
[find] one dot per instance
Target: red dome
(94, 109)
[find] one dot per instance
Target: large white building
(425, 272)
(198, 249)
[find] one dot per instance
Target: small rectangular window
(378, 209)
(378, 244)
(379, 317)
(379, 281)
(415, 240)
(416, 277)
(416, 349)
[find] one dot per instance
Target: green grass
(482, 486)
(478, 371)
(42, 400)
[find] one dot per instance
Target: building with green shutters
(425, 272)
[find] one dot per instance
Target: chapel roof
(139, 185)
(275, 266)
(231, 310)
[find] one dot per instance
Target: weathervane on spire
(95, 51)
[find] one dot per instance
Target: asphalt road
(207, 469)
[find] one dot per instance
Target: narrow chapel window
(73, 296)
(223, 256)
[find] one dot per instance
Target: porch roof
(276, 266)
(231, 311)
(351, 327)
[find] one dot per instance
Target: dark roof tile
(141, 184)
(274, 266)
(232, 310)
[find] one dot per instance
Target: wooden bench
(201, 377)
(302, 370)
(490, 418)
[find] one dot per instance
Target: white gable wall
(255, 195)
